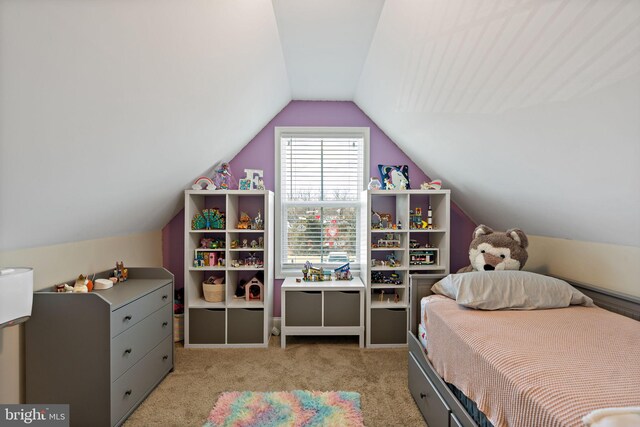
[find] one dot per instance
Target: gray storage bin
(206, 326)
(389, 326)
(341, 308)
(245, 326)
(304, 308)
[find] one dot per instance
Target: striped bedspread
(535, 368)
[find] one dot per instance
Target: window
(319, 189)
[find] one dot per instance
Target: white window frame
(327, 132)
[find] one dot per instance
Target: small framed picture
(245, 184)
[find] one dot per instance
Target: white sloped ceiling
(528, 110)
(109, 109)
(325, 44)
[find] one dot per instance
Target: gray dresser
(101, 352)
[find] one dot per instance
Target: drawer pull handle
(126, 318)
(164, 324)
(164, 297)
(165, 357)
(422, 395)
(127, 393)
(127, 351)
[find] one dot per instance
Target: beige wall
(612, 267)
(60, 263)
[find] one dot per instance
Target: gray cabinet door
(342, 308)
(246, 326)
(389, 326)
(303, 308)
(206, 326)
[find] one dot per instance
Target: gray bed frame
(437, 403)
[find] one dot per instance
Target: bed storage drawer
(453, 421)
(434, 409)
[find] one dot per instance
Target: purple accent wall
(259, 153)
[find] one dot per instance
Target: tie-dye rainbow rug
(286, 408)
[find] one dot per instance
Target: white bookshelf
(388, 315)
(233, 322)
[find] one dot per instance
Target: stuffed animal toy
(495, 250)
(79, 286)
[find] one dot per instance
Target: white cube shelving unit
(387, 315)
(233, 322)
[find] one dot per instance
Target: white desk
(333, 307)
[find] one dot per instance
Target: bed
(522, 368)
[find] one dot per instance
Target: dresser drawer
(130, 388)
(134, 343)
(132, 313)
(434, 409)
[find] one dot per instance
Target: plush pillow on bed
(518, 290)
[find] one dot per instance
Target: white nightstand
(333, 307)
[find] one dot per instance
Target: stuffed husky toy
(494, 250)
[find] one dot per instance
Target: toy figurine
(261, 242)
(245, 221)
(120, 272)
(245, 244)
(234, 244)
(343, 272)
(79, 286)
(374, 184)
(257, 222)
(253, 244)
(223, 177)
(431, 185)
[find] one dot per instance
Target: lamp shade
(16, 295)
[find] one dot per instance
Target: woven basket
(212, 292)
(178, 327)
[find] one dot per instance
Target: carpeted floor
(187, 394)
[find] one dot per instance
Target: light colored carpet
(187, 394)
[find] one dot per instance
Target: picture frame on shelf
(394, 177)
(245, 184)
(255, 176)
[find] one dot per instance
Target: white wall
(612, 267)
(109, 109)
(528, 111)
(60, 263)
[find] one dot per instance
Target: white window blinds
(321, 183)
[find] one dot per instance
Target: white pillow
(513, 289)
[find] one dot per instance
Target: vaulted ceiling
(528, 110)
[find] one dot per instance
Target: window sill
(281, 275)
